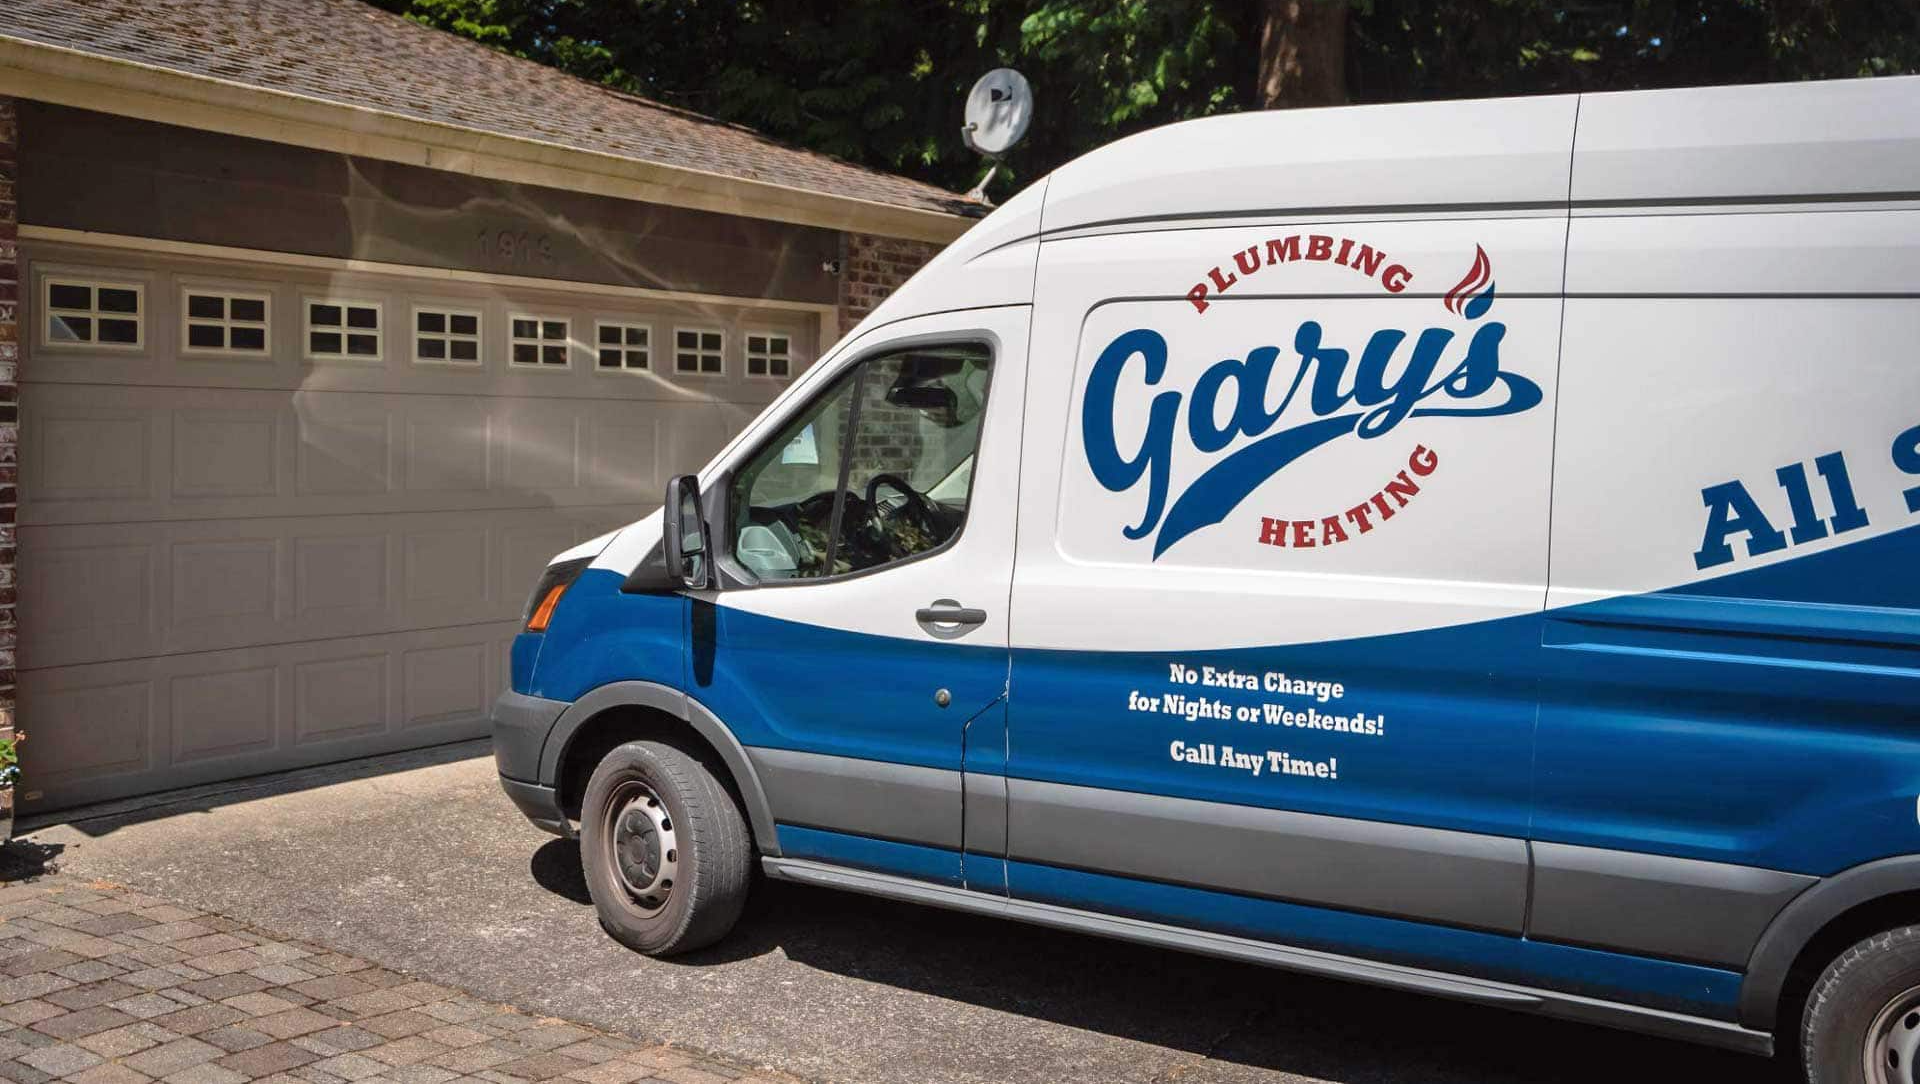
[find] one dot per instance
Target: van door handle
(948, 612)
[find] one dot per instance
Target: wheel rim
(1892, 1053)
(642, 849)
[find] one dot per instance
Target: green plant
(10, 758)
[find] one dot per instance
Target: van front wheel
(1863, 1016)
(666, 853)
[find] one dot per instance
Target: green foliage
(881, 82)
(10, 758)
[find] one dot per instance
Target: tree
(1303, 53)
(881, 82)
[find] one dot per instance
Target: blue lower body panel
(1676, 987)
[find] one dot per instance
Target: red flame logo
(1478, 276)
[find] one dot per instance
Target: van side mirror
(684, 538)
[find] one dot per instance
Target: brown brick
(200, 1018)
(398, 1025)
(91, 994)
(77, 1025)
(267, 1060)
(293, 1022)
(540, 1067)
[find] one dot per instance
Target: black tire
(713, 867)
(1872, 991)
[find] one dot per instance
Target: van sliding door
(1281, 562)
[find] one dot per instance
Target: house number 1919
(516, 247)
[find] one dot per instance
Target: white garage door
(276, 513)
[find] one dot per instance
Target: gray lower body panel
(1652, 905)
(1649, 905)
(1456, 878)
(1503, 995)
(864, 797)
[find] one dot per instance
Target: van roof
(1855, 139)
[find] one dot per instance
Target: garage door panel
(117, 454)
(88, 600)
(445, 683)
(224, 713)
(338, 699)
(344, 445)
(88, 731)
(623, 452)
(541, 444)
(79, 452)
(103, 591)
(131, 726)
(444, 568)
(342, 583)
(226, 453)
(448, 447)
(224, 589)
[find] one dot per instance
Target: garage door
(274, 513)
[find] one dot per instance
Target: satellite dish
(999, 108)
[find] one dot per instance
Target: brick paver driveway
(101, 985)
(419, 864)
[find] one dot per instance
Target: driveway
(419, 864)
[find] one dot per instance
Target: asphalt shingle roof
(351, 53)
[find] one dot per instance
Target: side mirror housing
(684, 538)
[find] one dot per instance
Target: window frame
(50, 277)
(539, 343)
(717, 495)
(343, 302)
(228, 294)
(717, 374)
(447, 337)
(747, 355)
(652, 347)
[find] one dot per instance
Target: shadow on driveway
(1242, 1017)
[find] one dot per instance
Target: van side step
(1309, 961)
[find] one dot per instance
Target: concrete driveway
(418, 863)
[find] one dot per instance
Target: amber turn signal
(543, 613)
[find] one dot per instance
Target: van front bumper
(521, 724)
(539, 804)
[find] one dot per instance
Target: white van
(1471, 547)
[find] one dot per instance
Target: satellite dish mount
(999, 109)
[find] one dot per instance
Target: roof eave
(69, 77)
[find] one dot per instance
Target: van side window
(877, 469)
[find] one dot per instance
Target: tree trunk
(1303, 53)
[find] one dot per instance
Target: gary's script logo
(1329, 395)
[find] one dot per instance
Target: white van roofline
(1852, 139)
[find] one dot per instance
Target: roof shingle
(350, 53)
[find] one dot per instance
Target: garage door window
(699, 351)
(223, 323)
(539, 342)
(446, 336)
(769, 353)
(623, 348)
(88, 312)
(340, 330)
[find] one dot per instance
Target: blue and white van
(1470, 547)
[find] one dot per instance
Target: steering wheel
(922, 511)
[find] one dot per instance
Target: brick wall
(9, 406)
(871, 267)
